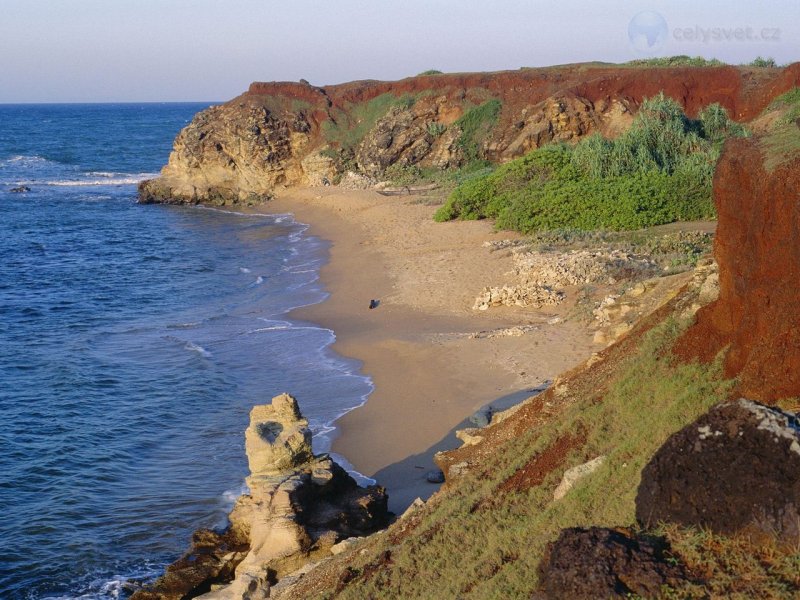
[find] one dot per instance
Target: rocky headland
(294, 134)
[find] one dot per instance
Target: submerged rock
(735, 469)
(605, 563)
(299, 506)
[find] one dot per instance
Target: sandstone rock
(345, 544)
(470, 436)
(523, 296)
(278, 438)
(735, 469)
(299, 503)
(605, 563)
(416, 505)
(575, 474)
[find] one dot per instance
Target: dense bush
(657, 172)
(681, 60)
(760, 61)
(475, 124)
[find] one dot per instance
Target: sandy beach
(433, 359)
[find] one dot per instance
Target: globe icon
(647, 32)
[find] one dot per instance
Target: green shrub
(716, 125)
(760, 61)
(349, 127)
(430, 72)
(436, 129)
(657, 172)
(676, 61)
(475, 124)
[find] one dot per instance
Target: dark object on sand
(407, 190)
(20, 190)
(483, 417)
(374, 304)
(435, 476)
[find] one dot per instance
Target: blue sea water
(133, 342)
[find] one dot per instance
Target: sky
(210, 50)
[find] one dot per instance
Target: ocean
(134, 341)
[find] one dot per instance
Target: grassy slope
(782, 142)
(485, 541)
(483, 537)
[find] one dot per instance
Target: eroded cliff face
(289, 134)
(758, 250)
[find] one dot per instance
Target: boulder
(735, 469)
(22, 189)
(605, 563)
(435, 476)
(482, 417)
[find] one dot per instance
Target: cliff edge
(291, 134)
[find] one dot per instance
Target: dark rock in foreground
(606, 563)
(735, 469)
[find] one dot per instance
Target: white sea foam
(198, 348)
(244, 270)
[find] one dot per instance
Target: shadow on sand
(411, 471)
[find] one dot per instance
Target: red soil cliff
(758, 251)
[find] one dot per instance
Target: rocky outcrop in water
(734, 470)
(288, 134)
(298, 507)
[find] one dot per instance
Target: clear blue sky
(166, 50)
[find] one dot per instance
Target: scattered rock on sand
(735, 469)
(482, 417)
(524, 295)
(435, 476)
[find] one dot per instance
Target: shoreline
(429, 370)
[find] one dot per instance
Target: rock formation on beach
(298, 507)
(288, 134)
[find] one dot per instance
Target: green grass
(733, 567)
(482, 542)
(782, 143)
(475, 125)
(760, 61)
(349, 127)
(657, 172)
(681, 60)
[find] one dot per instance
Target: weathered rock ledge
(291, 134)
(299, 506)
